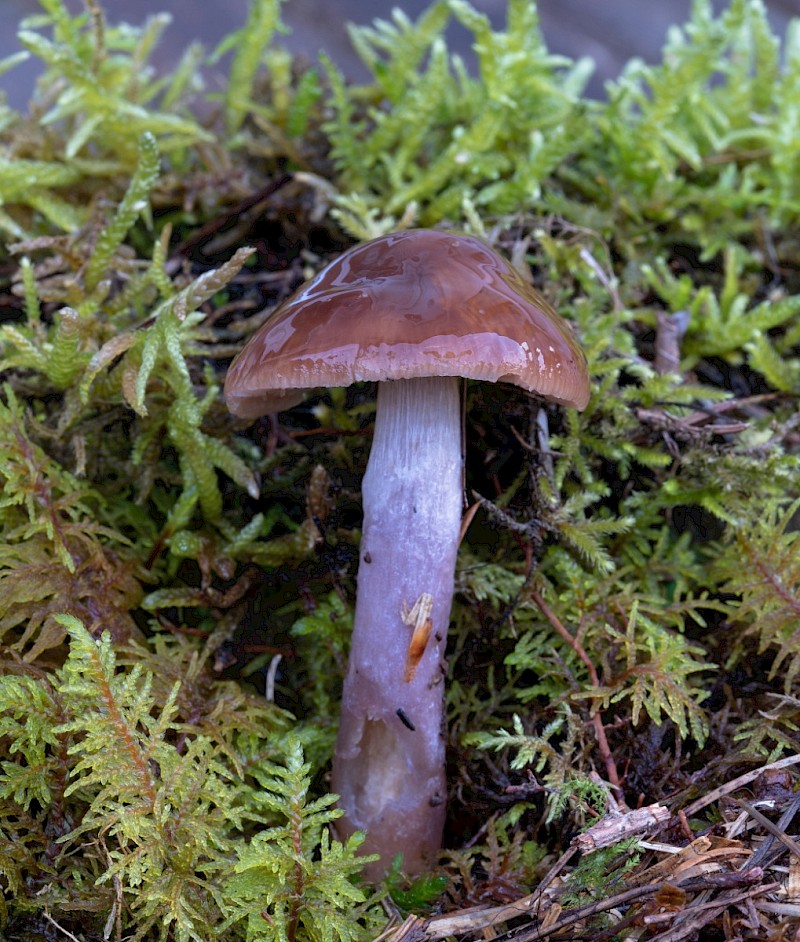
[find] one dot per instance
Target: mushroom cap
(410, 304)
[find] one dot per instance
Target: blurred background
(608, 31)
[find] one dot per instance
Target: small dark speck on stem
(405, 720)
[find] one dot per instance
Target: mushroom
(413, 311)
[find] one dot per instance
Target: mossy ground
(626, 622)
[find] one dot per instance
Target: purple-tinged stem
(389, 764)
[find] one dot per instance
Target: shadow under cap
(406, 305)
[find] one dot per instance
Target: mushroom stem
(389, 764)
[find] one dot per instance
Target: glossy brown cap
(410, 304)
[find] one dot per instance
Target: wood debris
(737, 879)
(617, 827)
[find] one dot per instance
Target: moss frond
(153, 809)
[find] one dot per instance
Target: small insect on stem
(418, 618)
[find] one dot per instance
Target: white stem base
(389, 764)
